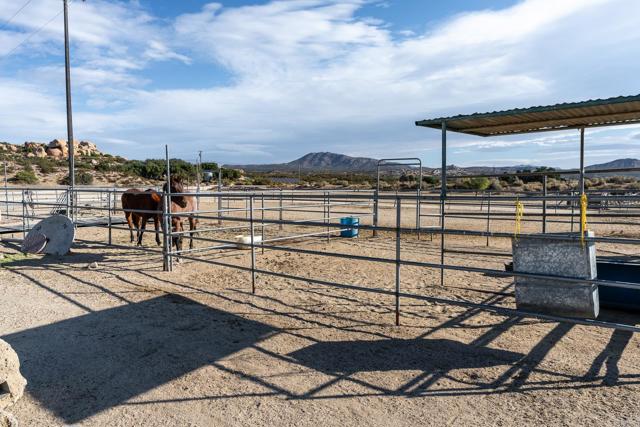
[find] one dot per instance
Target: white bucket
(243, 241)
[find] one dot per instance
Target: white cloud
(310, 75)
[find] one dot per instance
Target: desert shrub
(495, 185)
(82, 178)
(45, 164)
(261, 180)
(431, 180)
(621, 180)
(104, 167)
(26, 175)
(480, 183)
(211, 166)
(532, 186)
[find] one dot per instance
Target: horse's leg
(193, 222)
(129, 217)
(156, 223)
(143, 225)
(178, 238)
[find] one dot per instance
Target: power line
(3, 26)
(33, 33)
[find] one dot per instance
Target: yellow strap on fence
(583, 217)
(519, 215)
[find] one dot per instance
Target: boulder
(54, 152)
(12, 383)
(7, 420)
(40, 151)
(87, 148)
(60, 145)
(82, 148)
(35, 148)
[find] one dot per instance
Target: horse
(150, 200)
(136, 200)
(181, 203)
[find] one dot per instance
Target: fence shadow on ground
(348, 357)
(81, 366)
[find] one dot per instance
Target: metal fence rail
(284, 219)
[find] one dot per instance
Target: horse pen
(273, 317)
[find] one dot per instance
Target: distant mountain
(616, 164)
(317, 162)
(332, 162)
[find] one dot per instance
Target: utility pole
(67, 69)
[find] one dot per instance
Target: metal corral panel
(599, 112)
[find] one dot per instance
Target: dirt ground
(125, 344)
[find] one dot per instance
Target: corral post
(167, 212)
(418, 201)
(109, 214)
(398, 235)
(376, 202)
(572, 210)
(443, 197)
(253, 248)
(488, 215)
(220, 195)
(280, 215)
(544, 204)
(24, 213)
(6, 190)
(262, 223)
(165, 235)
(328, 216)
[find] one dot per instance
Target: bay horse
(181, 203)
(134, 200)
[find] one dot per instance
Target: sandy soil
(127, 344)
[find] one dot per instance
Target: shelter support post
(544, 204)
(581, 169)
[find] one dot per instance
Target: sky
(249, 81)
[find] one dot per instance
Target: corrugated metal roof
(620, 110)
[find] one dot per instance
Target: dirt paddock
(126, 344)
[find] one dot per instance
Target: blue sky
(268, 81)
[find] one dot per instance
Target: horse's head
(176, 186)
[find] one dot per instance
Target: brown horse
(134, 201)
(181, 203)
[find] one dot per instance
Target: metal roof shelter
(621, 110)
(575, 115)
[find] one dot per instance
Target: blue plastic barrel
(349, 232)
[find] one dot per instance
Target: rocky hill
(57, 149)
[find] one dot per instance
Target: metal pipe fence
(284, 219)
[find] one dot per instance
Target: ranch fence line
(248, 211)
